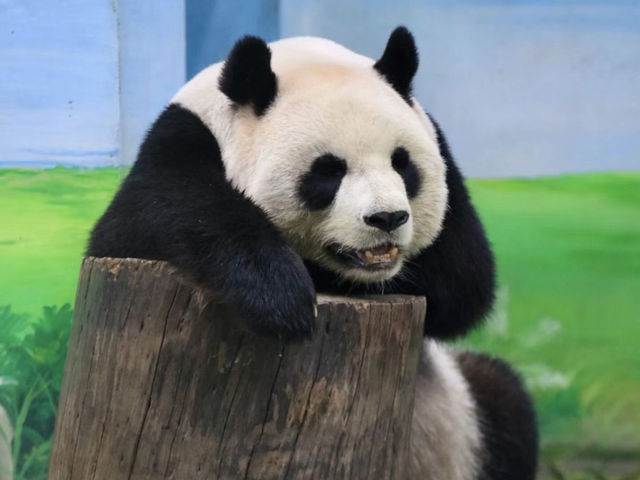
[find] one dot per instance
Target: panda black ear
(247, 78)
(399, 62)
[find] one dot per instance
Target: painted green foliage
(32, 355)
(568, 251)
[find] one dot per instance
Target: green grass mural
(568, 313)
(46, 219)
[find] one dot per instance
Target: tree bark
(158, 386)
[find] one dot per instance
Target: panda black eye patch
(401, 163)
(318, 187)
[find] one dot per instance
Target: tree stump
(158, 386)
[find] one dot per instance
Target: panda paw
(285, 304)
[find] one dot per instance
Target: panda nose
(387, 221)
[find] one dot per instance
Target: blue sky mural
(522, 88)
(58, 83)
(82, 81)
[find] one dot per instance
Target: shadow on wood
(158, 387)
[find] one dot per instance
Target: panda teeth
(386, 257)
(381, 256)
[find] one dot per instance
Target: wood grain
(157, 386)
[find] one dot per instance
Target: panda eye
(400, 159)
(402, 164)
(329, 166)
(318, 187)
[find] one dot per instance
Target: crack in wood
(306, 409)
(182, 405)
(153, 381)
(266, 413)
(231, 405)
(386, 333)
(397, 386)
(175, 433)
(107, 415)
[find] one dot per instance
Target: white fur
(329, 100)
(446, 442)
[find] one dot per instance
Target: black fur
(247, 77)
(456, 273)
(319, 185)
(399, 62)
(507, 418)
(174, 205)
(407, 170)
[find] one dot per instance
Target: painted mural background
(541, 103)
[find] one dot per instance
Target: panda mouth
(374, 258)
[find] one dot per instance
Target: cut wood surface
(158, 386)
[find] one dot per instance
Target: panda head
(334, 149)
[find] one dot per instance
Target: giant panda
(301, 166)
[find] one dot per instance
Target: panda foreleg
(176, 205)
